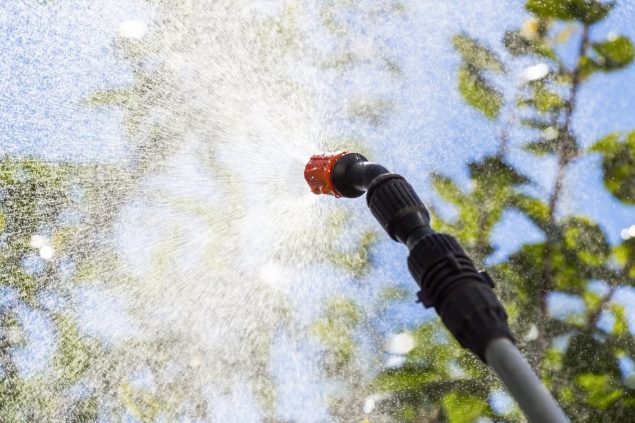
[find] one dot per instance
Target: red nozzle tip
(317, 173)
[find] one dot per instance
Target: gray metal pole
(522, 383)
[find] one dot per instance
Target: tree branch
(565, 155)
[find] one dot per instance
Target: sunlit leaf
(447, 189)
(373, 111)
(585, 238)
(476, 55)
(357, 260)
(463, 408)
(495, 170)
(3, 221)
(391, 294)
(75, 353)
(405, 379)
(546, 100)
(479, 93)
(620, 326)
(615, 53)
(587, 11)
(624, 255)
(609, 56)
(518, 45)
(536, 209)
(541, 147)
(111, 98)
(536, 123)
(599, 389)
(139, 402)
(618, 165)
(84, 411)
(335, 331)
(592, 300)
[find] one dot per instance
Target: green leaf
(447, 189)
(535, 123)
(357, 262)
(371, 110)
(463, 408)
(524, 269)
(479, 93)
(587, 11)
(85, 410)
(624, 254)
(75, 353)
(335, 331)
(111, 98)
(586, 239)
(476, 55)
(494, 170)
(618, 165)
(344, 311)
(585, 353)
(139, 402)
(546, 100)
(592, 300)
(519, 45)
(537, 210)
(588, 66)
(615, 53)
(405, 379)
(541, 147)
(609, 56)
(393, 294)
(599, 389)
(13, 329)
(620, 327)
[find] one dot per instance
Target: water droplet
(402, 343)
(536, 72)
(394, 361)
(369, 404)
(532, 333)
(38, 241)
(628, 233)
(134, 29)
(47, 252)
(550, 133)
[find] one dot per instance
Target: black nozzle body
(392, 200)
(353, 173)
(462, 296)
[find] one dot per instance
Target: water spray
(461, 295)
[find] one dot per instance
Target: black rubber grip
(396, 206)
(463, 297)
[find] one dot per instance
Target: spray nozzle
(317, 173)
(341, 174)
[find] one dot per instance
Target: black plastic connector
(397, 207)
(462, 296)
(353, 173)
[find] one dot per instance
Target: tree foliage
(577, 356)
(37, 235)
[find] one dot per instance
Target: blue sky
(55, 56)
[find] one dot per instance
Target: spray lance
(461, 295)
